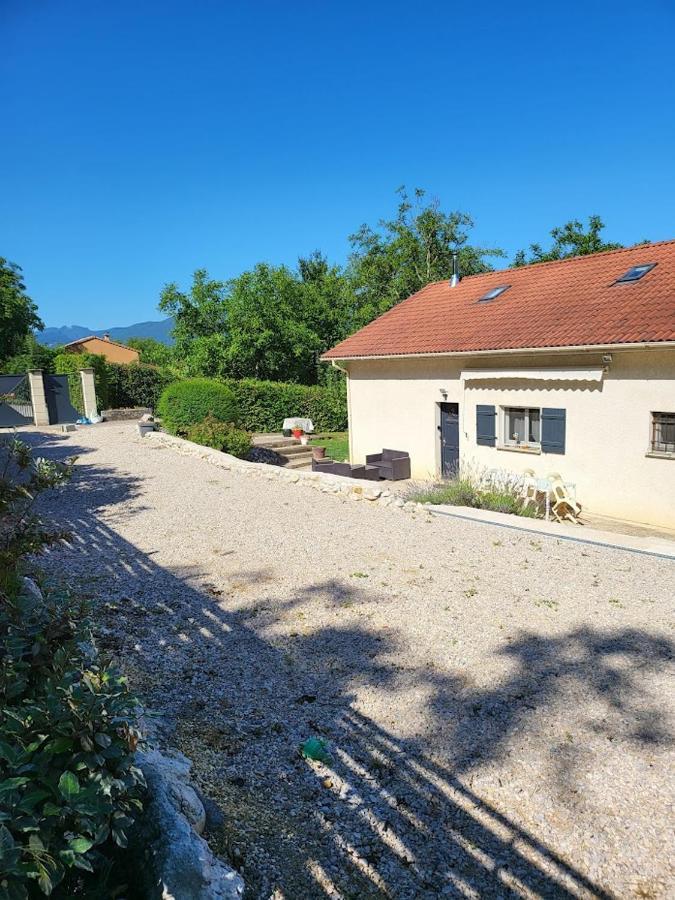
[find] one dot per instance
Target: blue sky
(142, 140)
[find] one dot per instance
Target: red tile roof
(91, 337)
(566, 303)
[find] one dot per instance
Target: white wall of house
(395, 403)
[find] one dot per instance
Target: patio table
(545, 486)
(298, 422)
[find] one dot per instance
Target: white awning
(567, 374)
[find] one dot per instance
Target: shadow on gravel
(238, 693)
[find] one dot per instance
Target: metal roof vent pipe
(454, 281)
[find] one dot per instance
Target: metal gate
(16, 406)
(61, 410)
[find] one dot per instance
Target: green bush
(263, 405)
(185, 403)
(33, 355)
(468, 488)
(221, 436)
(136, 384)
(68, 787)
(456, 492)
(501, 500)
(70, 364)
(22, 531)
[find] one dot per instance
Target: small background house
(111, 350)
(566, 366)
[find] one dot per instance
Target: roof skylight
(636, 273)
(493, 292)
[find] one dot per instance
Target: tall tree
(570, 240)
(31, 354)
(403, 254)
(271, 330)
(151, 351)
(18, 313)
(199, 313)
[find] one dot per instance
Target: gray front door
(449, 432)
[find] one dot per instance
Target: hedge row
(137, 384)
(263, 405)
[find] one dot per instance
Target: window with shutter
(553, 430)
(486, 425)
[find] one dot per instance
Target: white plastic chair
(530, 491)
(563, 504)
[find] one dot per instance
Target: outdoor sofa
(330, 467)
(394, 465)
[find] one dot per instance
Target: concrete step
(292, 451)
(299, 462)
(272, 442)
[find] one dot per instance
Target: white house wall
(395, 403)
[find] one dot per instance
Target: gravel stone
(497, 708)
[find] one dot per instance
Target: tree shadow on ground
(239, 690)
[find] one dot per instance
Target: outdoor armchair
(394, 465)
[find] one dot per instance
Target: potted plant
(297, 433)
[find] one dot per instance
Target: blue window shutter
(486, 431)
(553, 430)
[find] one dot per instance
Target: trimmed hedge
(136, 384)
(185, 403)
(70, 364)
(263, 405)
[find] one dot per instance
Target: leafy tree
(199, 313)
(403, 254)
(271, 319)
(570, 240)
(31, 354)
(331, 306)
(271, 322)
(208, 356)
(152, 351)
(18, 313)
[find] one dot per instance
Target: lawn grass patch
(336, 444)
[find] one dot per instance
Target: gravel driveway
(497, 706)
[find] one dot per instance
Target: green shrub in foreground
(221, 436)
(22, 531)
(186, 403)
(68, 787)
(67, 735)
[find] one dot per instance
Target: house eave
(643, 345)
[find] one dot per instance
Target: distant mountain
(160, 331)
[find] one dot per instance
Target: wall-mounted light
(444, 393)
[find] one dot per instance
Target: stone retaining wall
(123, 413)
(345, 488)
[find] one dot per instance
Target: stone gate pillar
(38, 397)
(88, 392)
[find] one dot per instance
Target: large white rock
(174, 861)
